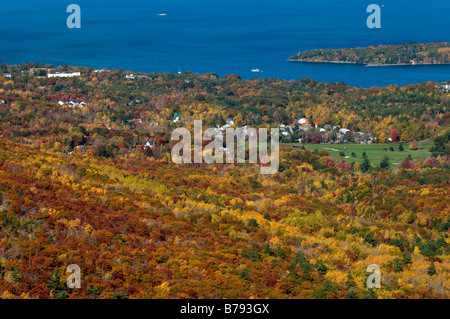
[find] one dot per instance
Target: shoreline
(366, 64)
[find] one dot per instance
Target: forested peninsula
(399, 54)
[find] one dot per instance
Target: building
(73, 103)
(176, 117)
(63, 74)
(7, 75)
(150, 144)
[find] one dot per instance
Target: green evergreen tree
(369, 239)
(252, 222)
(385, 163)
(301, 260)
(93, 291)
(281, 253)
(251, 253)
(350, 281)
(323, 290)
(55, 285)
(398, 265)
(351, 294)
(120, 295)
(406, 258)
(370, 294)
(16, 274)
(268, 250)
(432, 269)
(366, 166)
(245, 274)
(321, 267)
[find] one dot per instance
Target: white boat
(256, 70)
(162, 14)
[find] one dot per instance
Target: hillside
(79, 185)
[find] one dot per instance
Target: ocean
(225, 37)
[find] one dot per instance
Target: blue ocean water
(225, 37)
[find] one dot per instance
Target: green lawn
(374, 151)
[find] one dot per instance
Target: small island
(399, 54)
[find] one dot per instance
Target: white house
(251, 132)
(150, 144)
(64, 74)
(344, 130)
(7, 75)
(446, 86)
(230, 121)
(302, 121)
(130, 76)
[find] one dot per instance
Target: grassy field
(374, 152)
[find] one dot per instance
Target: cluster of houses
(302, 131)
(73, 103)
